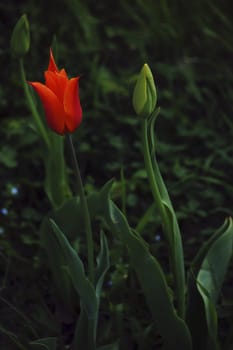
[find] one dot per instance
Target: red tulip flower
(60, 99)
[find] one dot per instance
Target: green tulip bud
(20, 39)
(144, 95)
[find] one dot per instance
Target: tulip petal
(72, 105)
(57, 83)
(52, 64)
(63, 72)
(54, 110)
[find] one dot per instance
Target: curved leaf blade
(211, 275)
(205, 280)
(49, 343)
(153, 283)
(103, 264)
(75, 268)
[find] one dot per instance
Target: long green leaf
(13, 337)
(102, 264)
(204, 284)
(172, 329)
(69, 216)
(87, 323)
(176, 251)
(85, 332)
(195, 314)
(57, 261)
(211, 275)
(215, 264)
(83, 326)
(210, 341)
(196, 264)
(44, 344)
(75, 268)
(69, 219)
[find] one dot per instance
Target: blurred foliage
(189, 47)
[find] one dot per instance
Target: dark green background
(189, 47)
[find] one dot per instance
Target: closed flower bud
(20, 39)
(144, 95)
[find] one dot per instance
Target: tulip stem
(174, 244)
(86, 214)
(152, 179)
(31, 104)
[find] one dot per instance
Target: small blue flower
(109, 283)
(14, 191)
(157, 238)
(4, 211)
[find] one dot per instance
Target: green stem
(176, 267)
(31, 104)
(152, 180)
(87, 220)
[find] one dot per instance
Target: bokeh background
(189, 47)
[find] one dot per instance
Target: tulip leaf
(13, 337)
(196, 264)
(172, 329)
(69, 216)
(195, 314)
(176, 249)
(211, 342)
(205, 280)
(215, 263)
(57, 261)
(69, 219)
(102, 264)
(45, 343)
(151, 133)
(211, 275)
(75, 268)
(85, 331)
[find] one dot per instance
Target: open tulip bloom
(60, 99)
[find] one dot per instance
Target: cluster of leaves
(189, 49)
